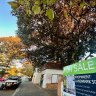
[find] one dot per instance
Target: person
(41, 80)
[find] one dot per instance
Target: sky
(8, 24)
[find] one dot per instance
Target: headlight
(15, 82)
(4, 83)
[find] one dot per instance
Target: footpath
(29, 89)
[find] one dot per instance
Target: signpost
(80, 78)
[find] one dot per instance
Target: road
(27, 89)
(6, 92)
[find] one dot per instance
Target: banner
(83, 67)
(80, 79)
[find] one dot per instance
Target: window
(54, 78)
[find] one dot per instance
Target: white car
(12, 82)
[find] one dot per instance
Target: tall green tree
(60, 29)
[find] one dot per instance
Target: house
(50, 74)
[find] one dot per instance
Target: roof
(52, 65)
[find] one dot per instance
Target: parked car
(2, 83)
(24, 79)
(12, 82)
(29, 78)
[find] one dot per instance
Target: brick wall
(59, 86)
(52, 86)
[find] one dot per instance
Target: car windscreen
(13, 78)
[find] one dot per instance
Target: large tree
(62, 30)
(27, 69)
(10, 48)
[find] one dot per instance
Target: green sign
(83, 67)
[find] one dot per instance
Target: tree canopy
(62, 30)
(10, 48)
